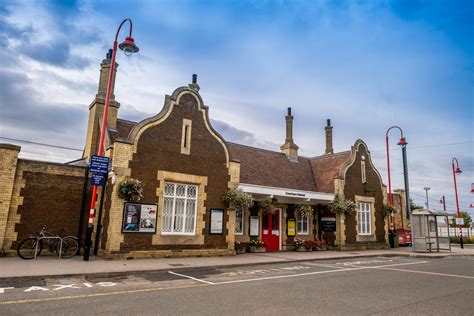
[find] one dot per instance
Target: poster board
(139, 218)
(216, 226)
(291, 227)
(254, 227)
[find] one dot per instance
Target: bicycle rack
(51, 237)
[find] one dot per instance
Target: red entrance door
(271, 230)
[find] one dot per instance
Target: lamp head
(458, 171)
(128, 46)
(402, 141)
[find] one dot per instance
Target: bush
(465, 240)
(256, 243)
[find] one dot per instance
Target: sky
(366, 65)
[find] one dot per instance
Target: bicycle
(64, 247)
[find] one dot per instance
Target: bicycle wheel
(26, 249)
(70, 246)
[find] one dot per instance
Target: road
(368, 286)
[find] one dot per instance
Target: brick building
(186, 167)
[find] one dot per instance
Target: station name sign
(295, 194)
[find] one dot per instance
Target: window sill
(177, 234)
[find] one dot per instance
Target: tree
(467, 220)
(413, 206)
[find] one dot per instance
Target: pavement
(12, 268)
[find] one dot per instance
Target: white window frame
(173, 217)
(364, 219)
(241, 209)
(299, 220)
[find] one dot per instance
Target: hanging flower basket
(237, 197)
(342, 206)
(131, 190)
(304, 210)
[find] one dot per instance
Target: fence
(453, 231)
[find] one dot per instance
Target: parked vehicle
(404, 236)
(64, 247)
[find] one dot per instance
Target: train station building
(186, 167)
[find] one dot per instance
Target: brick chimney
(96, 108)
(289, 147)
(104, 77)
(328, 129)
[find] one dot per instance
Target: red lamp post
(129, 47)
(401, 142)
(456, 170)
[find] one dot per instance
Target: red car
(404, 236)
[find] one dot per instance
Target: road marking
(192, 278)
(323, 265)
(432, 273)
(317, 272)
(71, 297)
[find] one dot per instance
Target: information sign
(328, 224)
(217, 221)
(254, 226)
(291, 227)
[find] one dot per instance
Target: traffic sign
(460, 221)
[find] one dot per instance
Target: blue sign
(99, 168)
(99, 164)
(98, 179)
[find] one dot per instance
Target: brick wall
(372, 189)
(44, 193)
(158, 149)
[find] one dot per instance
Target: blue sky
(366, 65)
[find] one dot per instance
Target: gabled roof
(326, 168)
(122, 130)
(270, 168)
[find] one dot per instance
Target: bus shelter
(426, 237)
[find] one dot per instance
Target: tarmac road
(393, 286)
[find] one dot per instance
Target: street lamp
(457, 171)
(129, 47)
(427, 202)
(402, 142)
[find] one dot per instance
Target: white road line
(192, 278)
(323, 265)
(432, 273)
(317, 272)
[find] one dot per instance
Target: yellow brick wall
(8, 164)
(16, 200)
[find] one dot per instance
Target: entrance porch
(273, 218)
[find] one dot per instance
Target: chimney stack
(328, 129)
(194, 84)
(104, 77)
(289, 147)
